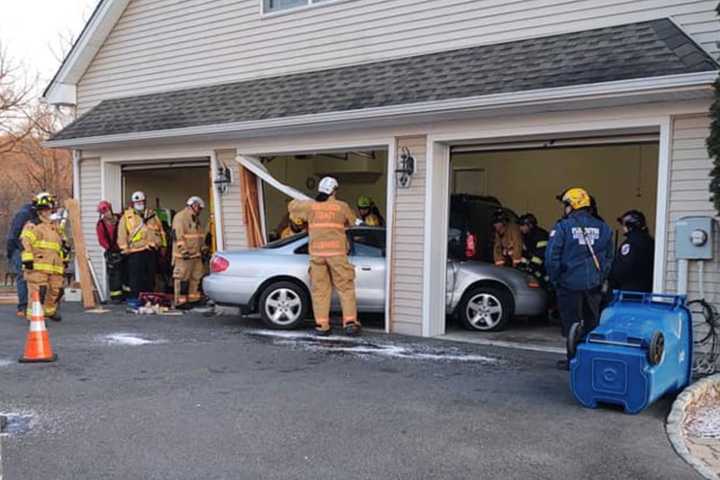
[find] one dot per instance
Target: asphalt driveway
(220, 398)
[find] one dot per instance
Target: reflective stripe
(541, 244)
(115, 293)
(338, 226)
(194, 235)
(49, 268)
(29, 235)
(47, 245)
(327, 254)
(37, 326)
(537, 260)
(325, 207)
(26, 256)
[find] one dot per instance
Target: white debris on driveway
(361, 346)
(129, 339)
(4, 362)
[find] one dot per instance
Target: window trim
(312, 4)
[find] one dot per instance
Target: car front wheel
(486, 309)
(283, 305)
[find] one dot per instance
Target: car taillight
(219, 264)
(532, 283)
(470, 246)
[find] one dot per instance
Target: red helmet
(104, 206)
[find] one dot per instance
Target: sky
(30, 29)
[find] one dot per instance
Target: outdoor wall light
(406, 168)
(223, 179)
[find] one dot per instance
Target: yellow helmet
(576, 197)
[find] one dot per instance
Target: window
(367, 243)
(270, 6)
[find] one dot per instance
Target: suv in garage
(471, 235)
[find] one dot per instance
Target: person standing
(369, 213)
(140, 236)
(26, 214)
(535, 240)
(508, 244)
(295, 226)
(328, 220)
(107, 235)
(578, 260)
(42, 257)
(187, 251)
(632, 267)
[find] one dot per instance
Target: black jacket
(632, 267)
(24, 215)
(535, 244)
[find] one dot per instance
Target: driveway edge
(676, 420)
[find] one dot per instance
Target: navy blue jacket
(24, 215)
(568, 260)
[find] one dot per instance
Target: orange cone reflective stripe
(37, 344)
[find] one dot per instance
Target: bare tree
(15, 102)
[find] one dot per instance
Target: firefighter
(295, 226)
(140, 236)
(43, 258)
(535, 239)
(578, 260)
(632, 267)
(188, 249)
(328, 219)
(508, 244)
(369, 213)
(107, 235)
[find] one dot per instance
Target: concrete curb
(676, 419)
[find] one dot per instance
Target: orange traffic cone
(37, 345)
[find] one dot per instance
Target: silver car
(273, 281)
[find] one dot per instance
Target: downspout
(217, 202)
(76, 155)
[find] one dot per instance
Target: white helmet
(193, 200)
(138, 196)
(328, 185)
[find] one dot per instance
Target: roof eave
(642, 87)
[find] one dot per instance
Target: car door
(367, 254)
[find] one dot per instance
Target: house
(515, 99)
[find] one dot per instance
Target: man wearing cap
(295, 226)
(188, 249)
(328, 220)
(632, 267)
(508, 245)
(107, 235)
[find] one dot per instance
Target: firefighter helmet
(633, 220)
(104, 206)
(500, 216)
(528, 219)
(296, 221)
(44, 200)
(576, 198)
(138, 196)
(195, 200)
(328, 185)
(364, 201)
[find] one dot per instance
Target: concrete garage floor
(524, 333)
(221, 398)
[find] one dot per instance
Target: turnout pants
(579, 306)
(326, 273)
(141, 272)
(49, 286)
(186, 276)
(114, 263)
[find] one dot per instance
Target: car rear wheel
(486, 309)
(283, 305)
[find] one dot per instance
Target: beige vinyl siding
(233, 221)
(689, 169)
(90, 195)
(408, 246)
(168, 44)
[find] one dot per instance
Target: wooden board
(86, 283)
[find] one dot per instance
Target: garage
(272, 181)
(167, 186)
(524, 176)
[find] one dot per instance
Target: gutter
(606, 90)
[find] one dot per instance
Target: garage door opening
(621, 173)
(362, 176)
(167, 187)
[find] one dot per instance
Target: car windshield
(286, 241)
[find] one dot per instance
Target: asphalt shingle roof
(637, 50)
